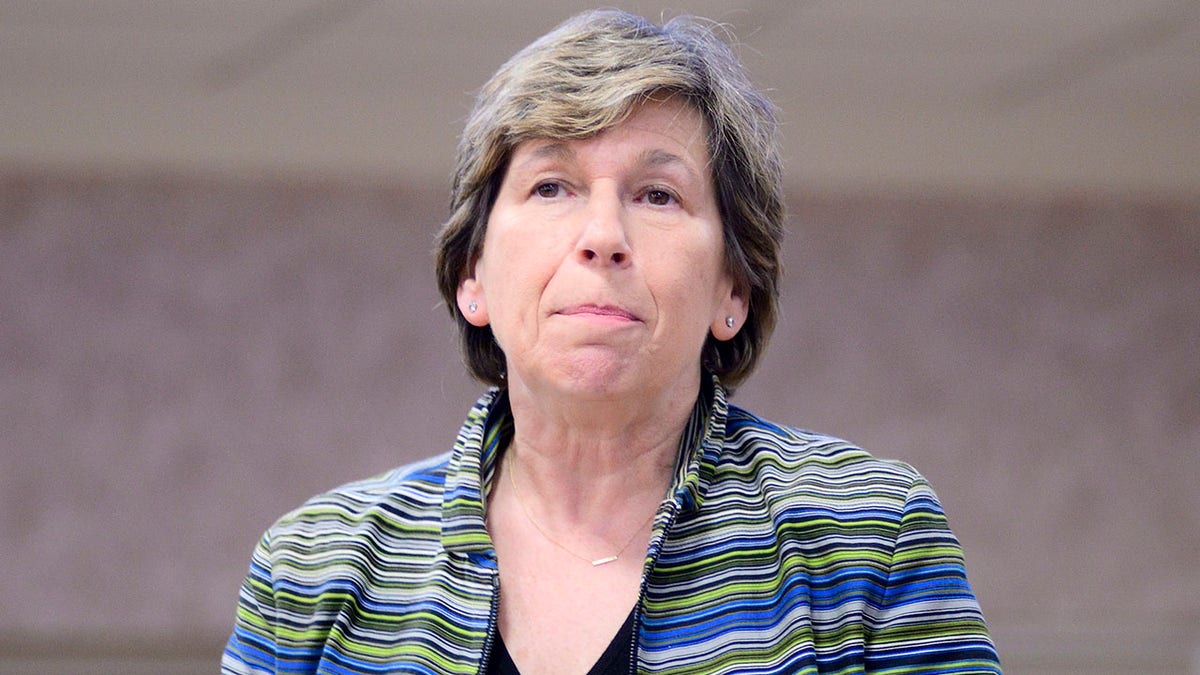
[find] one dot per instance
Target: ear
(733, 306)
(471, 302)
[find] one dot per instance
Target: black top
(616, 659)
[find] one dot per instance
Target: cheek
(514, 273)
(685, 296)
(701, 286)
(705, 266)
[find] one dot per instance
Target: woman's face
(602, 269)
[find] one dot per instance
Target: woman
(612, 263)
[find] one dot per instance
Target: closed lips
(599, 310)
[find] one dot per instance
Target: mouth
(600, 311)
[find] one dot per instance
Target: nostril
(618, 258)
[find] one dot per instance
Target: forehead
(656, 131)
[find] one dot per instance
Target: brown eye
(658, 197)
(548, 190)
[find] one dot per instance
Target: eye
(548, 190)
(659, 197)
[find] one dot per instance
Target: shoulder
(801, 472)
(407, 498)
(751, 440)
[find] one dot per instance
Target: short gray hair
(586, 76)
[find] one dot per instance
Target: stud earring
(729, 322)
(472, 306)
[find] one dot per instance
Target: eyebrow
(655, 157)
(552, 150)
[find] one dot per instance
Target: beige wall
(182, 360)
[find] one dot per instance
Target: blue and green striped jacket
(776, 551)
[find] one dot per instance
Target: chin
(601, 382)
(598, 376)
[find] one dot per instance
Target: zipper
(493, 621)
(673, 513)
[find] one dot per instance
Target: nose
(602, 241)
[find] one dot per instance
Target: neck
(596, 460)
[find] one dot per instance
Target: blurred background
(217, 298)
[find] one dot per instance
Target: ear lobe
(471, 302)
(731, 315)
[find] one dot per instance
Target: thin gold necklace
(595, 562)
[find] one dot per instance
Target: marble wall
(184, 359)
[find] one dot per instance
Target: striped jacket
(776, 551)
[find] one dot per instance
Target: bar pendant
(603, 561)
